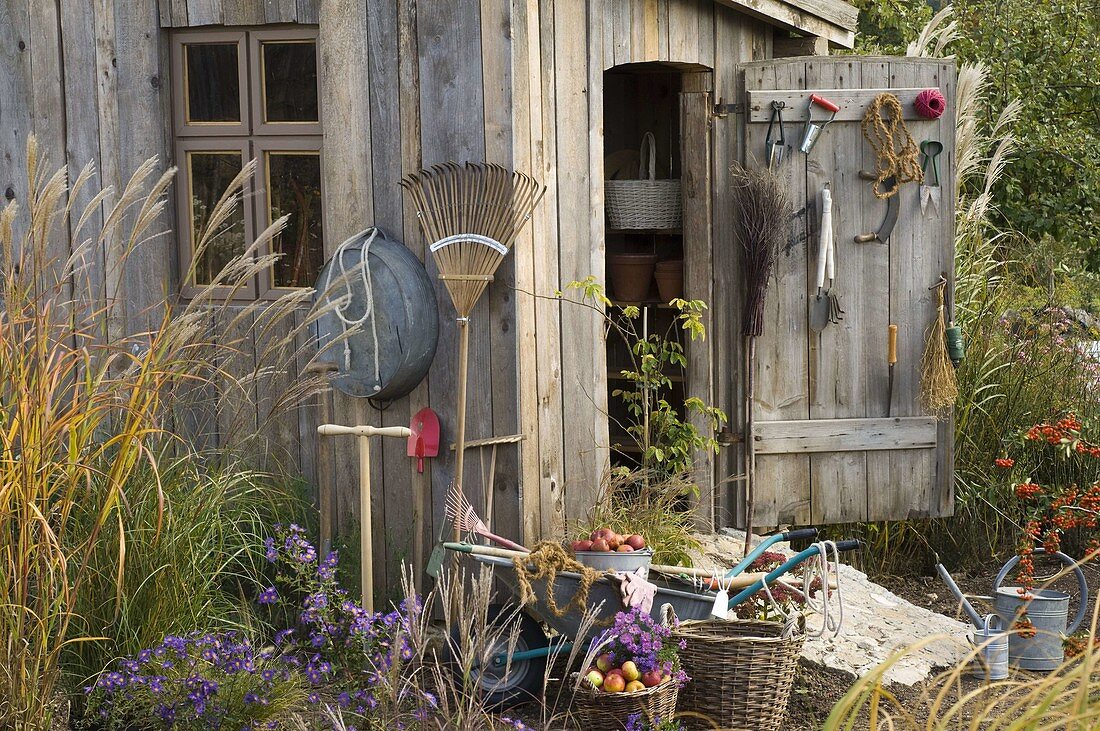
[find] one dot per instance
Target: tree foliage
(1046, 54)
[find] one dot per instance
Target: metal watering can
(1047, 609)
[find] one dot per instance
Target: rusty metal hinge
(723, 110)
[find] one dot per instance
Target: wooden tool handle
(331, 430)
(892, 347)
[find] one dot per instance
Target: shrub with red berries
(1055, 476)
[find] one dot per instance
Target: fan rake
(466, 520)
(472, 214)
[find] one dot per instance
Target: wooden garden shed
(372, 90)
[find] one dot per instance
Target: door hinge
(722, 110)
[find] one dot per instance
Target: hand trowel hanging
(825, 308)
(472, 215)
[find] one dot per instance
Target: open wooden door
(830, 444)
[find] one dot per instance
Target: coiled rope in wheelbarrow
(546, 560)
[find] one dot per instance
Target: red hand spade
(424, 440)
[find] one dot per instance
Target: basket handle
(647, 157)
(668, 615)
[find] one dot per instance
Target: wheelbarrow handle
(790, 564)
(333, 430)
(768, 543)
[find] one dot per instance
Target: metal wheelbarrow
(516, 674)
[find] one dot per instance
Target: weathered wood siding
(405, 84)
(195, 13)
(828, 453)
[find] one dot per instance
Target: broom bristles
(939, 388)
(763, 208)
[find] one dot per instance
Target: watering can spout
(976, 619)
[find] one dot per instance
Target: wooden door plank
(853, 102)
(308, 11)
(548, 280)
(622, 36)
(914, 266)
(783, 487)
(453, 128)
(525, 74)
(842, 355)
(695, 129)
(845, 435)
(578, 122)
(411, 158)
(943, 497)
(497, 49)
(732, 46)
(204, 12)
(243, 12)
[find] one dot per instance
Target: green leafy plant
(631, 502)
(664, 432)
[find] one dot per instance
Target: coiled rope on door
(895, 151)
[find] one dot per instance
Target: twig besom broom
(472, 214)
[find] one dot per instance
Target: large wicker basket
(742, 673)
(647, 203)
(598, 710)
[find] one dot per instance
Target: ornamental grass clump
(89, 390)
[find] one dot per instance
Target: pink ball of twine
(930, 104)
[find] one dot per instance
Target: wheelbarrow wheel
(510, 684)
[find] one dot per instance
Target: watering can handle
(1082, 584)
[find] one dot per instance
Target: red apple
(636, 542)
(616, 671)
(634, 685)
(651, 678)
(625, 549)
(582, 545)
(630, 671)
(595, 677)
(613, 542)
(614, 683)
(604, 662)
(600, 545)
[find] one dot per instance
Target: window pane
(210, 173)
(294, 182)
(213, 82)
(290, 81)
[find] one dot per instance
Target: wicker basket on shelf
(647, 203)
(596, 709)
(746, 669)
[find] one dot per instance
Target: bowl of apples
(609, 550)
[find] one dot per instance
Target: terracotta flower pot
(631, 275)
(670, 279)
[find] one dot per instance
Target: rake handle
(460, 421)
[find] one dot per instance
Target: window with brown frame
(239, 95)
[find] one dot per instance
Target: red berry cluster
(1024, 627)
(1028, 490)
(1065, 429)
(1005, 462)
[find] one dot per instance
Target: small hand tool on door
(882, 235)
(814, 128)
(825, 308)
(773, 148)
(930, 185)
(891, 360)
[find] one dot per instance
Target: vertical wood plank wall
(406, 83)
